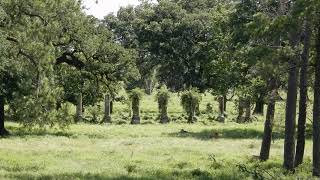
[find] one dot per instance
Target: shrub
(95, 114)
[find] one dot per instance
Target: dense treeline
(53, 54)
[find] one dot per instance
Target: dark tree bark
(107, 113)
(111, 107)
(240, 111)
(259, 109)
(3, 130)
(303, 97)
(316, 112)
(268, 125)
(225, 103)
(247, 115)
(290, 122)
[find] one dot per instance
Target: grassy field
(208, 150)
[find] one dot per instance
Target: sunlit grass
(207, 150)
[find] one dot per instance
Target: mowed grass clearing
(150, 151)
(208, 150)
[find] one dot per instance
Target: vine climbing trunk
(3, 130)
(303, 96)
(316, 112)
(164, 114)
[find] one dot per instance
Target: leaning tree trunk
(3, 130)
(107, 108)
(268, 125)
(290, 122)
(316, 113)
(259, 109)
(79, 108)
(303, 97)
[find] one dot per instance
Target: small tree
(190, 100)
(163, 96)
(135, 97)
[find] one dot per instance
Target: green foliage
(74, 52)
(163, 96)
(190, 100)
(40, 110)
(95, 114)
(135, 96)
(209, 108)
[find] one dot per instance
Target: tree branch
(70, 59)
(28, 56)
(45, 22)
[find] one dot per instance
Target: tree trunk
(107, 113)
(290, 122)
(221, 101)
(111, 107)
(3, 130)
(303, 97)
(225, 103)
(192, 113)
(316, 112)
(259, 109)
(135, 111)
(79, 108)
(240, 111)
(164, 114)
(247, 116)
(268, 125)
(149, 86)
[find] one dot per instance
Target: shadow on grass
(226, 133)
(23, 132)
(155, 175)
